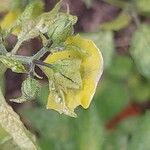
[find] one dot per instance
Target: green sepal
(19, 100)
(62, 28)
(30, 90)
(31, 11)
(67, 73)
(32, 28)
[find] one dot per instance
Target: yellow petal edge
(91, 71)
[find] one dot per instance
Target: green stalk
(16, 47)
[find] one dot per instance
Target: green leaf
(121, 67)
(33, 28)
(118, 23)
(45, 20)
(139, 88)
(120, 137)
(143, 7)
(10, 121)
(90, 136)
(111, 98)
(61, 132)
(30, 89)
(28, 31)
(67, 73)
(43, 94)
(3, 69)
(141, 137)
(57, 134)
(13, 64)
(104, 41)
(31, 11)
(62, 27)
(140, 49)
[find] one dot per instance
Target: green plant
(68, 66)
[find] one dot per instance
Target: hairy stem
(16, 47)
(2, 49)
(40, 53)
(41, 63)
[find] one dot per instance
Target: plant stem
(136, 18)
(22, 59)
(16, 47)
(40, 53)
(41, 63)
(116, 3)
(2, 49)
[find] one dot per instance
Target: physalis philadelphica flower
(75, 75)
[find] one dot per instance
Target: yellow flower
(91, 68)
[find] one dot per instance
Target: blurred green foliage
(126, 79)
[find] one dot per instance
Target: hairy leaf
(67, 73)
(14, 65)
(11, 122)
(140, 49)
(30, 89)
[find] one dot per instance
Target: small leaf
(121, 67)
(61, 28)
(30, 89)
(139, 89)
(90, 128)
(141, 137)
(119, 23)
(67, 73)
(29, 12)
(28, 32)
(111, 98)
(33, 28)
(13, 64)
(143, 7)
(140, 50)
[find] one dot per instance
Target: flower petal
(91, 69)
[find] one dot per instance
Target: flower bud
(30, 88)
(61, 28)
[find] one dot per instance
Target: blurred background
(118, 118)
